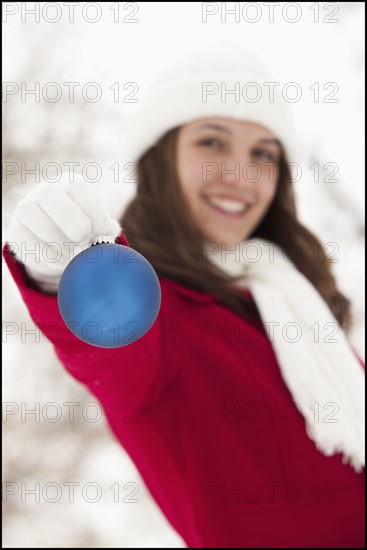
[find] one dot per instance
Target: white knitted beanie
(222, 80)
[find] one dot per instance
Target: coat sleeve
(138, 372)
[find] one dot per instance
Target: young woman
(246, 433)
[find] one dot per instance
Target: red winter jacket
(200, 406)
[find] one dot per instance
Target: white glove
(55, 222)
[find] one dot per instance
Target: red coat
(200, 406)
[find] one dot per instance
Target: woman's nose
(239, 171)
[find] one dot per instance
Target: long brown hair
(158, 224)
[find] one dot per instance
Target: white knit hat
(225, 79)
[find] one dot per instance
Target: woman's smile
(227, 206)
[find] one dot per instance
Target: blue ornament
(109, 295)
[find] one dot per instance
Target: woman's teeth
(228, 205)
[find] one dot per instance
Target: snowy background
(308, 51)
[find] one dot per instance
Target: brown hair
(158, 224)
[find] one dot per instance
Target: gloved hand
(55, 222)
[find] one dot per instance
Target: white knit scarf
(317, 364)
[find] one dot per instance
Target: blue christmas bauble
(109, 295)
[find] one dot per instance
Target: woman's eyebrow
(269, 141)
(213, 127)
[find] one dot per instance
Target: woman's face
(228, 171)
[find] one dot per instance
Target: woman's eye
(263, 154)
(211, 143)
